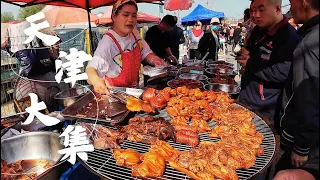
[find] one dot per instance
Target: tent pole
(90, 30)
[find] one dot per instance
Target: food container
(189, 83)
(212, 72)
(192, 69)
(221, 80)
(208, 63)
(198, 77)
(226, 66)
(69, 96)
(34, 145)
(233, 90)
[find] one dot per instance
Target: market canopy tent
(142, 17)
(173, 5)
(61, 15)
(201, 13)
(85, 4)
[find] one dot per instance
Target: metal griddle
(110, 110)
(102, 163)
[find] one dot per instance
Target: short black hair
(247, 13)
(240, 25)
(314, 4)
(175, 19)
(169, 19)
(128, 3)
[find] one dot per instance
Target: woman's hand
(101, 86)
(159, 62)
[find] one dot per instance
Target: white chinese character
(75, 62)
(34, 109)
(77, 144)
(34, 28)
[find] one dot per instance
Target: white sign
(76, 143)
(33, 30)
(75, 62)
(34, 109)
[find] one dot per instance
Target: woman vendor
(117, 59)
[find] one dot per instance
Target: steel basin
(233, 90)
(32, 145)
(212, 72)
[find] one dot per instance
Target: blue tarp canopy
(201, 13)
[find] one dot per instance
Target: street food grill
(211, 148)
(24, 169)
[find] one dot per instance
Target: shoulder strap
(135, 38)
(115, 41)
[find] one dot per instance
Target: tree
(30, 10)
(7, 17)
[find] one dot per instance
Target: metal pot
(233, 90)
(33, 145)
(199, 77)
(212, 72)
(69, 96)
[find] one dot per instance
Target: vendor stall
(201, 13)
(120, 136)
(184, 123)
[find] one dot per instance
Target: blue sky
(231, 8)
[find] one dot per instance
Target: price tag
(195, 72)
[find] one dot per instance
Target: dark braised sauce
(223, 80)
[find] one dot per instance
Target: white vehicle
(76, 35)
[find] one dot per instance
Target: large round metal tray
(102, 163)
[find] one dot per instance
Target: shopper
(194, 38)
(299, 123)
(236, 34)
(210, 41)
(176, 38)
(271, 46)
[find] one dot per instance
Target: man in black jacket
(210, 41)
(176, 38)
(270, 47)
(300, 120)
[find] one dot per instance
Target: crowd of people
(281, 80)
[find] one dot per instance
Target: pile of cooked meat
(24, 169)
(145, 130)
(195, 105)
(238, 147)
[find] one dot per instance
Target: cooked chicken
(126, 157)
(152, 166)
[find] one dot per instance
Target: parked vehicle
(76, 35)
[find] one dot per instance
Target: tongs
(114, 91)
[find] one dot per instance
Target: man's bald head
(267, 13)
(275, 2)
